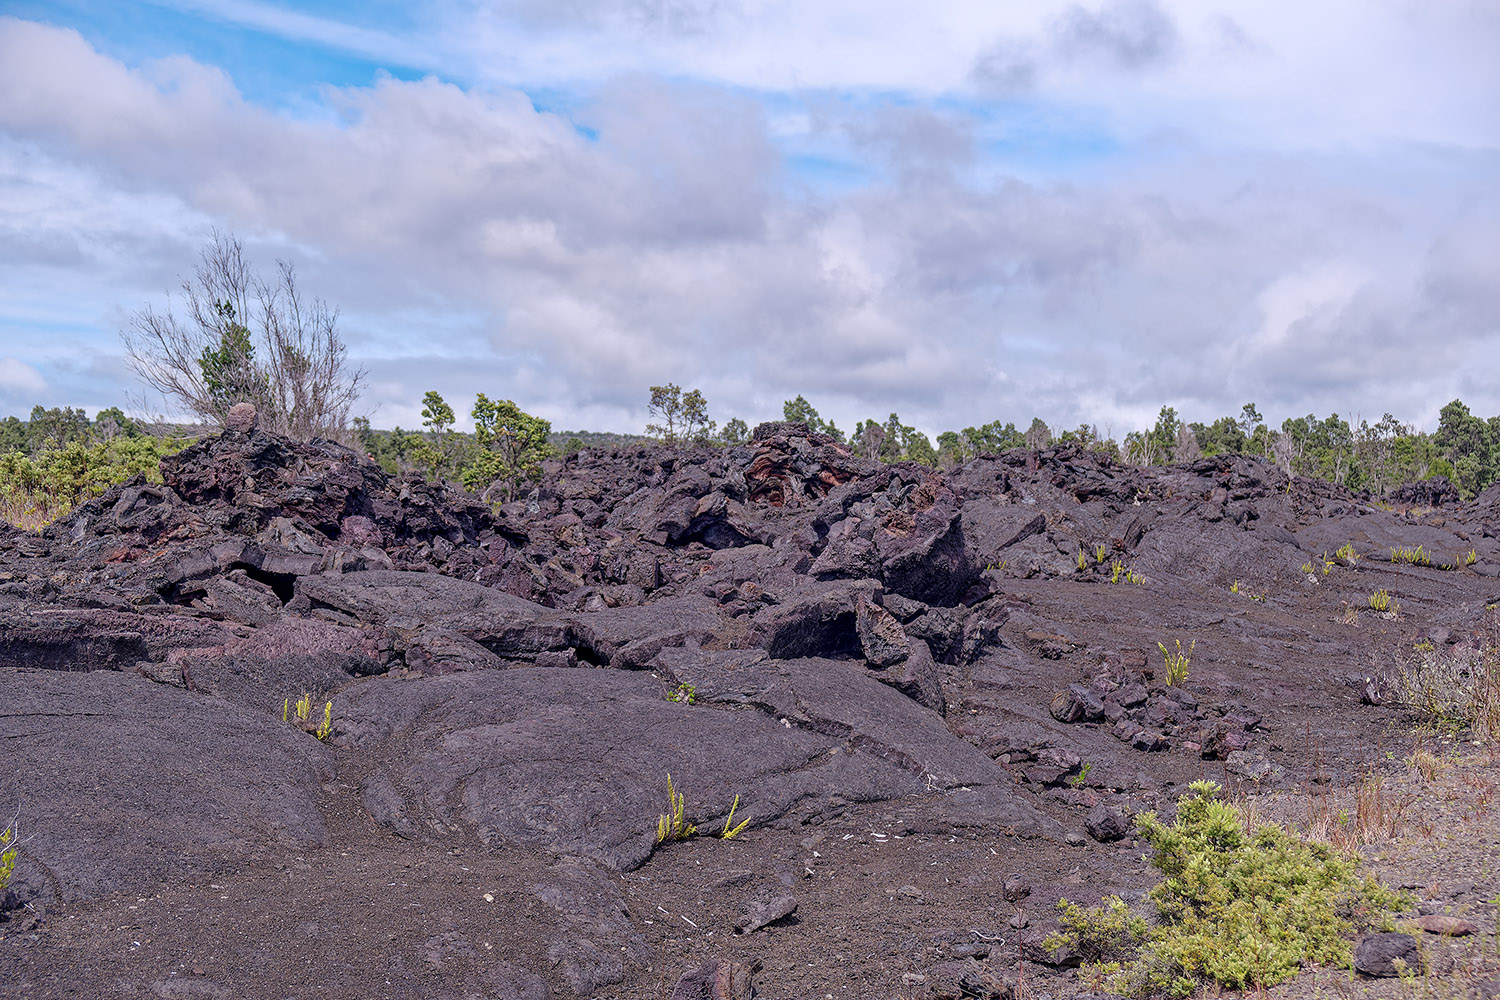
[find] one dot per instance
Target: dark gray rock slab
(917, 677)
(764, 910)
(1387, 955)
(719, 979)
(124, 784)
(923, 555)
(819, 620)
(575, 761)
(506, 625)
(628, 638)
(86, 639)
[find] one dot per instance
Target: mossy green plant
(1239, 906)
(683, 693)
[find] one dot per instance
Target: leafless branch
(247, 339)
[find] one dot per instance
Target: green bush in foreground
(1239, 907)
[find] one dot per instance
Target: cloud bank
(1082, 215)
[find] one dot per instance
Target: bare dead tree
(1187, 448)
(248, 340)
(1284, 452)
(308, 382)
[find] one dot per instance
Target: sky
(958, 211)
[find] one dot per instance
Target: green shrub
(37, 490)
(1238, 907)
(1107, 933)
(10, 842)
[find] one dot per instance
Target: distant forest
(59, 457)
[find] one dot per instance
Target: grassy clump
(1177, 661)
(301, 712)
(1412, 557)
(1238, 906)
(673, 824)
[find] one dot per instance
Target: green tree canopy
(679, 417)
(511, 445)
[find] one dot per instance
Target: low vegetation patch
(673, 824)
(300, 712)
(1412, 557)
(1177, 661)
(1375, 814)
(732, 829)
(1240, 906)
(36, 490)
(1452, 689)
(1383, 602)
(10, 845)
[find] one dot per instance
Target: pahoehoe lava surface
(917, 687)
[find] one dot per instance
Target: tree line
(509, 444)
(1361, 455)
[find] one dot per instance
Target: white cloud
(19, 378)
(659, 233)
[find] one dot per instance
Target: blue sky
(973, 211)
